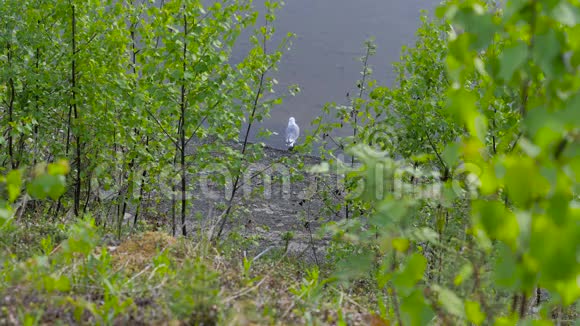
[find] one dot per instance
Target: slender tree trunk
(131, 173)
(173, 211)
(494, 146)
(73, 82)
(523, 305)
(394, 291)
(355, 114)
(36, 109)
(10, 122)
(11, 98)
(121, 207)
(182, 131)
(77, 194)
(73, 110)
(141, 189)
(19, 155)
(140, 199)
(88, 194)
(174, 187)
(244, 145)
(238, 175)
(119, 222)
(144, 175)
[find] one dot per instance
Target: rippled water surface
(323, 60)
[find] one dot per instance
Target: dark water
(323, 60)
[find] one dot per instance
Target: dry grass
(261, 297)
(135, 253)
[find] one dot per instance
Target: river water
(324, 58)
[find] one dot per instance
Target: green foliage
(482, 109)
(460, 194)
(50, 183)
(90, 88)
(195, 298)
(532, 177)
(310, 289)
(44, 181)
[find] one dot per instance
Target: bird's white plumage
(292, 132)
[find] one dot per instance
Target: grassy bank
(70, 275)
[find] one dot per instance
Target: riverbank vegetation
(457, 203)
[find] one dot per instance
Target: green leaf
(506, 270)
(461, 104)
(464, 273)
(59, 168)
(523, 180)
(353, 266)
(569, 290)
(459, 49)
(547, 54)
(450, 301)
(558, 208)
(569, 117)
(514, 7)
(62, 283)
(511, 59)
(506, 321)
(47, 185)
(497, 221)
(451, 153)
(477, 23)
(412, 273)
(400, 244)
(473, 312)
(389, 212)
(379, 92)
(415, 311)
(553, 249)
(14, 184)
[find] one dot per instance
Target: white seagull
(292, 133)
